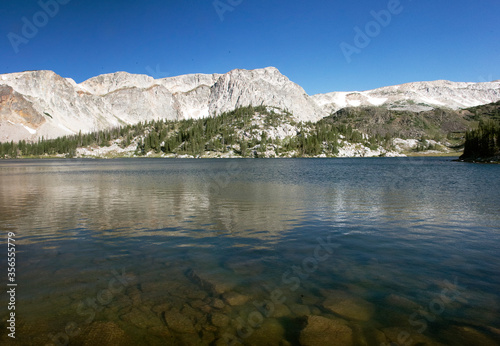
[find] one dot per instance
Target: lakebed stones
(207, 336)
(300, 310)
(466, 335)
(324, 331)
(217, 281)
(366, 335)
(161, 331)
(159, 286)
(142, 319)
(193, 313)
(309, 299)
(408, 336)
(33, 332)
(235, 299)
(196, 294)
(217, 303)
(135, 296)
(104, 333)
(347, 305)
(189, 339)
(219, 320)
(160, 308)
(197, 304)
(281, 310)
(179, 322)
(270, 333)
(401, 302)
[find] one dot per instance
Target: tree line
(236, 131)
(483, 142)
(67, 145)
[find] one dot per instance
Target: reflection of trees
(116, 204)
(131, 199)
(16, 201)
(262, 210)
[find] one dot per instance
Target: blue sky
(421, 40)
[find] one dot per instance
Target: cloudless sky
(429, 40)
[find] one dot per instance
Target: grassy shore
(429, 154)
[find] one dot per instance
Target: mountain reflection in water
(149, 251)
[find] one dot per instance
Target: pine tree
(243, 148)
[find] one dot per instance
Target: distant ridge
(35, 104)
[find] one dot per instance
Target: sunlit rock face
(418, 96)
(35, 104)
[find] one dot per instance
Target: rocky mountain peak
(107, 83)
(261, 86)
(62, 107)
(415, 96)
(186, 83)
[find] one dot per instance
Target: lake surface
(217, 252)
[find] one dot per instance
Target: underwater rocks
(219, 320)
(401, 302)
(270, 333)
(194, 308)
(324, 331)
(235, 299)
(141, 319)
(104, 333)
(217, 282)
(179, 322)
(407, 336)
(466, 335)
(348, 306)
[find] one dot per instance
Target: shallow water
(149, 251)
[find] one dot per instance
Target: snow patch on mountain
(417, 96)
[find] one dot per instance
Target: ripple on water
(285, 252)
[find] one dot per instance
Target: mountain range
(35, 104)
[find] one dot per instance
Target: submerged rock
(235, 299)
(408, 336)
(217, 303)
(349, 306)
(161, 331)
(281, 310)
(324, 331)
(466, 335)
(104, 333)
(160, 308)
(197, 304)
(190, 339)
(217, 281)
(366, 335)
(270, 333)
(208, 337)
(179, 322)
(219, 320)
(153, 286)
(309, 299)
(34, 332)
(300, 310)
(194, 314)
(401, 302)
(196, 294)
(142, 319)
(135, 296)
